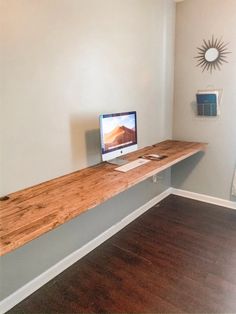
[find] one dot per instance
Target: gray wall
(212, 173)
(63, 63)
(66, 62)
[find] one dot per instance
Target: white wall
(64, 62)
(212, 173)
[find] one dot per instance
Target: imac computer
(118, 132)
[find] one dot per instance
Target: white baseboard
(204, 198)
(56, 269)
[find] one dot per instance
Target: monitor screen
(118, 134)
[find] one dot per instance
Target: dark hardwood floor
(179, 257)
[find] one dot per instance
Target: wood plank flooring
(179, 257)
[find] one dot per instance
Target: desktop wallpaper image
(119, 131)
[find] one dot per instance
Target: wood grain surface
(34, 211)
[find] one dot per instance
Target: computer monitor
(118, 132)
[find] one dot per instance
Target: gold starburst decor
(212, 54)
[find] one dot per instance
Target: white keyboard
(133, 164)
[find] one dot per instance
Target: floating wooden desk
(29, 213)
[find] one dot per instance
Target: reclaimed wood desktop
(29, 213)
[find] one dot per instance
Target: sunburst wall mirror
(212, 54)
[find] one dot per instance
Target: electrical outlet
(154, 178)
(157, 178)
